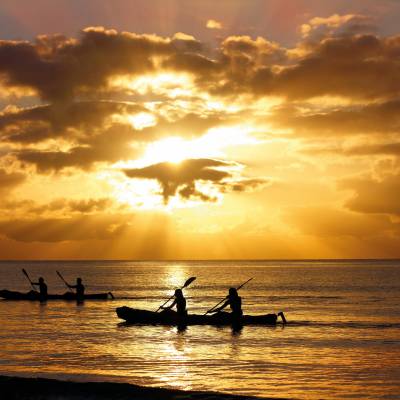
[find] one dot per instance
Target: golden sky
(199, 130)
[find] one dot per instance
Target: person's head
(78, 281)
(178, 293)
(233, 292)
(41, 280)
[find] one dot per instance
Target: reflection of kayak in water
(33, 295)
(135, 316)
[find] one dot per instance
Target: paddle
(29, 279)
(187, 283)
(66, 284)
(212, 308)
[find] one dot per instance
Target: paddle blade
(26, 274)
(188, 282)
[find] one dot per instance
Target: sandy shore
(52, 389)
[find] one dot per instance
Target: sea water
(342, 339)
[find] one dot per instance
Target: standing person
(235, 303)
(179, 302)
(42, 289)
(80, 289)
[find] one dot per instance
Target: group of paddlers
(233, 300)
(80, 289)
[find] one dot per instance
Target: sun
(174, 150)
(142, 120)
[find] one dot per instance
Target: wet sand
(14, 388)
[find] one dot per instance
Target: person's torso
(181, 305)
(80, 290)
(43, 289)
(236, 304)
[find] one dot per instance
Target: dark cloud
(59, 68)
(109, 146)
(354, 64)
(182, 177)
(361, 66)
(244, 184)
(319, 28)
(69, 120)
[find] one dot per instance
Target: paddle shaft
(66, 284)
(187, 283)
(239, 287)
(29, 279)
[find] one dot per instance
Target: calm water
(342, 340)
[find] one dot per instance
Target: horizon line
(198, 260)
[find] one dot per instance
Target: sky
(240, 129)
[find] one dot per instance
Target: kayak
(33, 295)
(144, 317)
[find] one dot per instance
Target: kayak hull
(35, 296)
(144, 317)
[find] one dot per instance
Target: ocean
(342, 340)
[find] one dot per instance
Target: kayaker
(42, 289)
(179, 302)
(235, 303)
(80, 289)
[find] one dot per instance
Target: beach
(15, 388)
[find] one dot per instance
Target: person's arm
(71, 286)
(35, 283)
(170, 306)
(221, 308)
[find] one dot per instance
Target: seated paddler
(80, 289)
(42, 289)
(179, 302)
(234, 301)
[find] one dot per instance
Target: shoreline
(18, 388)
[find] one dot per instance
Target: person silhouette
(235, 303)
(42, 289)
(179, 302)
(80, 289)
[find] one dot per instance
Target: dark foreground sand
(51, 389)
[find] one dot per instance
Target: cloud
(9, 180)
(373, 196)
(191, 125)
(245, 184)
(213, 24)
(336, 25)
(59, 68)
(75, 228)
(109, 146)
(182, 177)
(71, 121)
(383, 118)
(355, 65)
